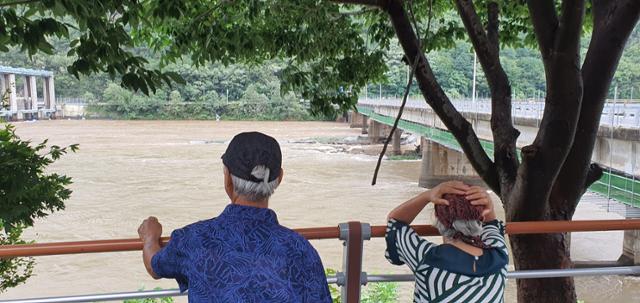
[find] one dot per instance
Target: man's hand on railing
(150, 232)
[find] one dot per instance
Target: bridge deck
(612, 185)
(618, 113)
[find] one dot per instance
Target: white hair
(471, 228)
(255, 191)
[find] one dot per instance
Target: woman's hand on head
(479, 197)
(449, 187)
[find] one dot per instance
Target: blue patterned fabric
(243, 255)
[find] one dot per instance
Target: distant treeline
(253, 92)
(454, 70)
(119, 103)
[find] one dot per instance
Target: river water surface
(128, 170)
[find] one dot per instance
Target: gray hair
(255, 191)
(471, 228)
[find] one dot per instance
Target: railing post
(351, 278)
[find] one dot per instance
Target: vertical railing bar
(341, 277)
(610, 155)
(354, 268)
(633, 175)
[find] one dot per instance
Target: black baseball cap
(250, 149)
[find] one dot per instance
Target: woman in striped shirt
(471, 264)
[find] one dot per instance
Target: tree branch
(613, 22)
(394, 128)
(493, 10)
(594, 173)
(544, 158)
(564, 92)
(545, 23)
(376, 3)
(19, 2)
(570, 28)
(487, 47)
(437, 99)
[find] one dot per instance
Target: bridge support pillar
(396, 142)
(440, 164)
(376, 132)
(10, 89)
(50, 95)
(630, 245)
(365, 124)
(32, 93)
(357, 120)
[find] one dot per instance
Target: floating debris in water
(206, 142)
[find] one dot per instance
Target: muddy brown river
(128, 170)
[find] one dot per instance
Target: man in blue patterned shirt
(243, 255)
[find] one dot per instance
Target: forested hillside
(253, 91)
(454, 69)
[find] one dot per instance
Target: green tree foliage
(102, 44)
(140, 42)
(384, 292)
(627, 76)
(13, 271)
(148, 300)
(212, 89)
(453, 67)
(322, 53)
(27, 192)
(451, 59)
(156, 300)
(258, 102)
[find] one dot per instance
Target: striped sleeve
(404, 245)
(493, 235)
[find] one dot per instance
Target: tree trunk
(526, 187)
(543, 251)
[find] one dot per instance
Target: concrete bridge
(442, 158)
(18, 104)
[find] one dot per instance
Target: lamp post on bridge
(473, 90)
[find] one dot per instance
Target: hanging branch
(435, 96)
(395, 124)
(407, 89)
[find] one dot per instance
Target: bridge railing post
(352, 278)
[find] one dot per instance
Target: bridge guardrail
(617, 113)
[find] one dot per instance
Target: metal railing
(617, 113)
(150, 294)
(351, 278)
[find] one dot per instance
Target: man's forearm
(408, 211)
(150, 248)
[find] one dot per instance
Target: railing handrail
(353, 234)
(116, 245)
